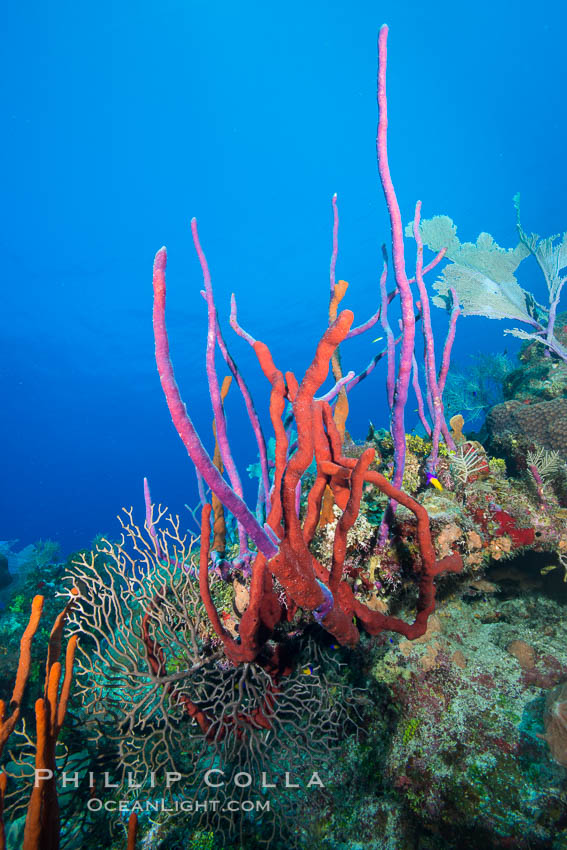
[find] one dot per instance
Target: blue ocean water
(122, 121)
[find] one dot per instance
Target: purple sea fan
(555, 719)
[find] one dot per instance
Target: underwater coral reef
(375, 654)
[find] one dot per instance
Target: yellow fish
(434, 481)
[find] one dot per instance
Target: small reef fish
(308, 671)
(431, 479)
(378, 338)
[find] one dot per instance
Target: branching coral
(546, 463)
(466, 461)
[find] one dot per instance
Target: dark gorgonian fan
(157, 689)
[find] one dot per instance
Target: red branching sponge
(309, 584)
